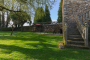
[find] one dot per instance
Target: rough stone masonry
(71, 9)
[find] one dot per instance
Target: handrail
(83, 29)
(86, 21)
(84, 17)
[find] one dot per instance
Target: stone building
(71, 9)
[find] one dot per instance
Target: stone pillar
(86, 35)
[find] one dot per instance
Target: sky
(54, 11)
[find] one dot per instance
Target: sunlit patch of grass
(28, 46)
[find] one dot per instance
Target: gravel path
(47, 33)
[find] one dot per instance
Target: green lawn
(28, 46)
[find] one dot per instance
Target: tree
(0, 20)
(20, 18)
(30, 4)
(8, 18)
(59, 14)
(3, 22)
(39, 15)
(47, 15)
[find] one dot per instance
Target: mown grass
(28, 46)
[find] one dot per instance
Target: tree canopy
(39, 15)
(20, 17)
(59, 14)
(27, 5)
(47, 14)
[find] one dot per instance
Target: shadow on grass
(48, 53)
(43, 53)
(31, 38)
(5, 59)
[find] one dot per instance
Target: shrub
(6, 29)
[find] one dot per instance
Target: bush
(17, 29)
(6, 29)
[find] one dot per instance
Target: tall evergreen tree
(59, 14)
(47, 15)
(39, 15)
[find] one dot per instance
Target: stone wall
(43, 28)
(73, 8)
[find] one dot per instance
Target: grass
(28, 46)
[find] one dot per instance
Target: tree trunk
(3, 24)
(16, 25)
(12, 30)
(21, 27)
(7, 20)
(0, 21)
(6, 24)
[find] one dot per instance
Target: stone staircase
(78, 37)
(75, 41)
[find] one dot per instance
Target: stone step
(74, 33)
(75, 36)
(75, 39)
(75, 46)
(75, 42)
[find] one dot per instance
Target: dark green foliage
(47, 15)
(0, 20)
(39, 15)
(20, 18)
(5, 29)
(59, 14)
